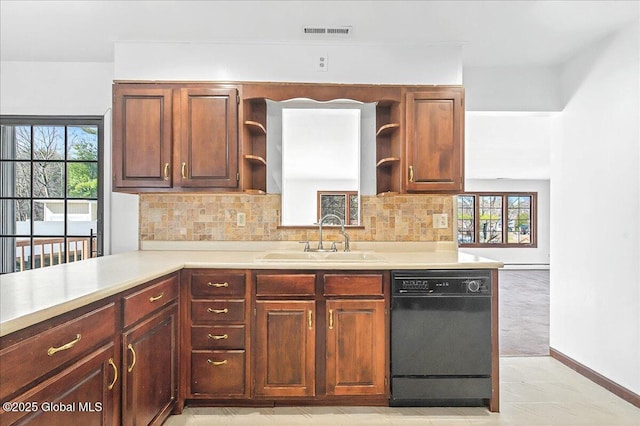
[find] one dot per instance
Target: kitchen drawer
(217, 336)
(219, 373)
(217, 311)
(217, 284)
(26, 361)
(86, 381)
(353, 285)
(151, 298)
(286, 285)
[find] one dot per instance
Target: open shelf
(255, 159)
(255, 128)
(388, 147)
(387, 162)
(387, 129)
(254, 146)
(254, 191)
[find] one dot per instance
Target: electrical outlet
(241, 219)
(322, 62)
(441, 221)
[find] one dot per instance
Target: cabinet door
(285, 348)
(83, 394)
(208, 138)
(142, 137)
(149, 376)
(435, 141)
(355, 347)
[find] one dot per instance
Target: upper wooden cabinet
(213, 136)
(171, 136)
(434, 151)
(208, 143)
(142, 136)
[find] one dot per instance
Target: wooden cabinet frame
(403, 135)
(357, 294)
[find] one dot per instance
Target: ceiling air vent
(330, 31)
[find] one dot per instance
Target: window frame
(62, 121)
(533, 231)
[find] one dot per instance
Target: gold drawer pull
(218, 285)
(330, 319)
(310, 318)
(133, 361)
(64, 347)
(217, 362)
(410, 173)
(223, 337)
(183, 171)
(115, 374)
(153, 299)
(217, 311)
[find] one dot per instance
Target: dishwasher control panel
(441, 282)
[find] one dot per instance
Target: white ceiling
(492, 33)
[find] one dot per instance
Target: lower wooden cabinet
(355, 347)
(149, 376)
(218, 373)
(320, 336)
(285, 348)
(216, 335)
(86, 393)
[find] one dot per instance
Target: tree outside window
(497, 219)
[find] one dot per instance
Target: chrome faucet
(342, 231)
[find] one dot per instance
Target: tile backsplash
(212, 217)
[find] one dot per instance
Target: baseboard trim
(613, 387)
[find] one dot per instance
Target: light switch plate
(441, 221)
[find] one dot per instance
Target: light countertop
(29, 297)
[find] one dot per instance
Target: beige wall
(212, 217)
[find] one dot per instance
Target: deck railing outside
(52, 251)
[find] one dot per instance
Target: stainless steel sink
(310, 256)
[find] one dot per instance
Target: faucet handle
(306, 245)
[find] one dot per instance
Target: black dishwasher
(440, 337)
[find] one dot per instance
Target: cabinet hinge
(255, 312)
(237, 99)
(385, 311)
(386, 382)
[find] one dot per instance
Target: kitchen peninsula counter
(30, 297)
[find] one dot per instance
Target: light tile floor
(535, 391)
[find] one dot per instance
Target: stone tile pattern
(212, 217)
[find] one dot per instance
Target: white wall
(512, 145)
(595, 211)
(518, 257)
(512, 89)
(70, 88)
(296, 62)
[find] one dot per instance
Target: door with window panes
(50, 191)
